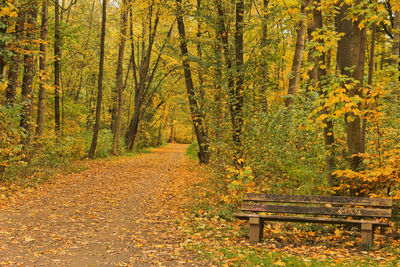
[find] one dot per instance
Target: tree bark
(223, 47)
(146, 75)
(142, 84)
(27, 79)
(57, 66)
(298, 56)
(200, 56)
(396, 39)
(311, 60)
(265, 71)
(100, 82)
(197, 114)
(218, 82)
(318, 78)
(3, 31)
(119, 78)
(172, 132)
(42, 70)
(76, 98)
(11, 90)
(237, 94)
(350, 61)
(235, 83)
(370, 77)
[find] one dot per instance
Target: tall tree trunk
(264, 86)
(11, 90)
(197, 114)
(27, 80)
(370, 77)
(57, 66)
(146, 75)
(350, 61)
(119, 78)
(76, 98)
(396, 39)
(237, 92)
(3, 31)
(131, 132)
(200, 56)
(221, 51)
(134, 124)
(172, 132)
(218, 82)
(42, 70)
(318, 78)
(100, 82)
(235, 83)
(163, 122)
(298, 56)
(311, 59)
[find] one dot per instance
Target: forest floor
(159, 209)
(122, 212)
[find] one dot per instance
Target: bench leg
(367, 234)
(256, 227)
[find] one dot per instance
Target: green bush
(192, 150)
(11, 135)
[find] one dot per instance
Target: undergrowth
(220, 238)
(192, 151)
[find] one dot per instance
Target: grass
(250, 256)
(224, 243)
(192, 150)
(137, 152)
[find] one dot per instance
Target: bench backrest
(318, 205)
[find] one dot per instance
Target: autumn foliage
(283, 97)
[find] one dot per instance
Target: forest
(291, 97)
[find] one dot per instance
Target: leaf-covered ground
(157, 210)
(117, 212)
(222, 239)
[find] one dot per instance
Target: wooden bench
(364, 212)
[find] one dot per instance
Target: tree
(15, 62)
(350, 61)
(298, 55)
(42, 70)
(119, 78)
(197, 114)
(3, 31)
(319, 79)
(96, 127)
(29, 72)
(237, 93)
(57, 66)
(265, 52)
(396, 38)
(144, 70)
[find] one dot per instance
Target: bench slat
(336, 200)
(245, 216)
(338, 211)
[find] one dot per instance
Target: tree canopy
(293, 96)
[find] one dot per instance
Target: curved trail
(116, 213)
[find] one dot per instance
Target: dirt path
(121, 212)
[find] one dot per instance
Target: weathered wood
(254, 204)
(338, 211)
(256, 227)
(367, 234)
(334, 200)
(325, 220)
